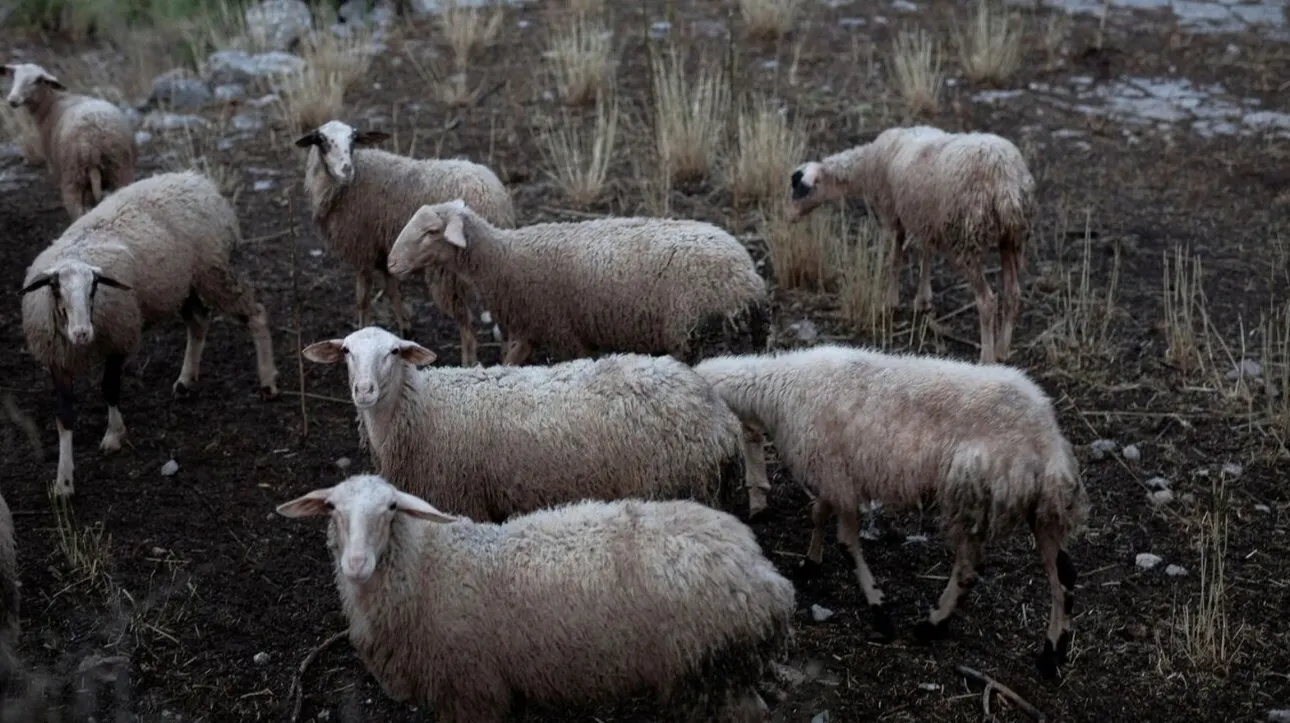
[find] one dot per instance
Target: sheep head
(377, 361)
(336, 142)
(431, 235)
(362, 510)
(28, 79)
(811, 185)
(74, 284)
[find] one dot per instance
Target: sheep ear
(370, 138)
(420, 509)
(306, 505)
(51, 81)
(5, 70)
(312, 138)
(109, 281)
(325, 352)
(42, 279)
(413, 353)
(455, 232)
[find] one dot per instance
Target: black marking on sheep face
(800, 189)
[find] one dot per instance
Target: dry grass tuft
(465, 29)
(587, 7)
(916, 63)
(769, 149)
(802, 252)
(579, 160)
(1186, 323)
(21, 130)
(333, 66)
(769, 19)
(990, 50)
(1276, 368)
(451, 88)
(689, 117)
(862, 277)
(581, 61)
(86, 550)
(1080, 336)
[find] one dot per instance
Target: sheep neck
(326, 193)
(390, 424)
(852, 169)
(484, 260)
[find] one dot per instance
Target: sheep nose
(14, 102)
(81, 334)
(365, 388)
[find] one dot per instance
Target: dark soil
(192, 577)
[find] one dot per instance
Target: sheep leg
(449, 295)
(113, 368)
(821, 511)
(1061, 581)
(362, 295)
(228, 293)
(894, 266)
(755, 480)
(923, 299)
(65, 395)
(1010, 259)
(986, 307)
(849, 536)
(962, 578)
(197, 317)
(517, 352)
(394, 294)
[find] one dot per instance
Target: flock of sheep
(575, 505)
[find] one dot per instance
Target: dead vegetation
(916, 68)
(333, 65)
(689, 115)
(580, 58)
(579, 158)
(768, 148)
(769, 19)
(990, 47)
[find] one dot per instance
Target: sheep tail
(96, 184)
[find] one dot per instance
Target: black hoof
(926, 631)
(882, 626)
(809, 567)
(182, 391)
(1063, 647)
(267, 393)
(1048, 662)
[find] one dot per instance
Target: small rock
(235, 66)
(260, 658)
(929, 687)
(316, 253)
(141, 137)
(1147, 560)
(915, 539)
(158, 551)
(1131, 453)
(324, 714)
(278, 24)
(1188, 498)
(1175, 570)
(659, 29)
(1246, 368)
(820, 613)
(169, 468)
(262, 185)
(1279, 716)
(1263, 508)
(1099, 448)
(230, 92)
(904, 6)
(343, 463)
(179, 89)
(162, 121)
(1158, 483)
(821, 717)
(247, 122)
(1232, 469)
(1160, 497)
(852, 22)
(805, 331)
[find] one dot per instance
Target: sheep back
(639, 285)
(554, 598)
(860, 425)
(153, 235)
(83, 133)
(491, 442)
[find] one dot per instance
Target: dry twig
(297, 687)
(993, 685)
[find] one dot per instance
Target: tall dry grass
(769, 147)
(803, 253)
(579, 159)
(770, 19)
(916, 66)
(581, 60)
(990, 48)
(689, 115)
(333, 66)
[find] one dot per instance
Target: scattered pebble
(260, 658)
(158, 551)
(1131, 453)
(1245, 368)
(261, 185)
(820, 613)
(1279, 716)
(343, 463)
(1160, 497)
(904, 6)
(315, 252)
(1158, 483)
(1147, 560)
(821, 717)
(660, 28)
(1099, 448)
(805, 331)
(915, 538)
(1175, 570)
(1232, 469)
(1263, 508)
(929, 687)
(169, 468)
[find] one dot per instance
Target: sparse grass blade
(465, 29)
(769, 149)
(580, 55)
(769, 19)
(990, 49)
(802, 252)
(862, 286)
(333, 65)
(916, 65)
(579, 162)
(690, 116)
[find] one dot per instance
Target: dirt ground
(214, 600)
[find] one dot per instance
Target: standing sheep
(607, 285)
(586, 603)
(87, 142)
(856, 426)
(362, 198)
(495, 441)
(956, 193)
(161, 247)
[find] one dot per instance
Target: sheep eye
(394, 351)
(330, 506)
(344, 350)
(394, 506)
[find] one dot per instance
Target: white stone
(260, 658)
(1147, 560)
(169, 468)
(1161, 497)
(1232, 469)
(820, 613)
(1131, 453)
(1175, 570)
(1099, 448)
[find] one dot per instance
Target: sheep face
(810, 186)
(376, 359)
(431, 235)
(28, 79)
(336, 142)
(74, 284)
(362, 510)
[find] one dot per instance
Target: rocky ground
(1157, 134)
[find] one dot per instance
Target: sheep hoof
(63, 488)
(110, 445)
(926, 631)
(882, 624)
(810, 567)
(268, 392)
(182, 388)
(1063, 647)
(1048, 660)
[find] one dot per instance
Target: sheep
(9, 596)
(362, 198)
(605, 285)
(584, 603)
(956, 193)
(160, 247)
(490, 442)
(87, 142)
(854, 425)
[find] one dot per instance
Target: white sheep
(362, 197)
(957, 193)
(642, 285)
(855, 426)
(86, 142)
(495, 441)
(161, 247)
(587, 603)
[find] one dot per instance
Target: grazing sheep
(161, 247)
(495, 441)
(586, 603)
(606, 285)
(362, 198)
(87, 142)
(956, 193)
(982, 441)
